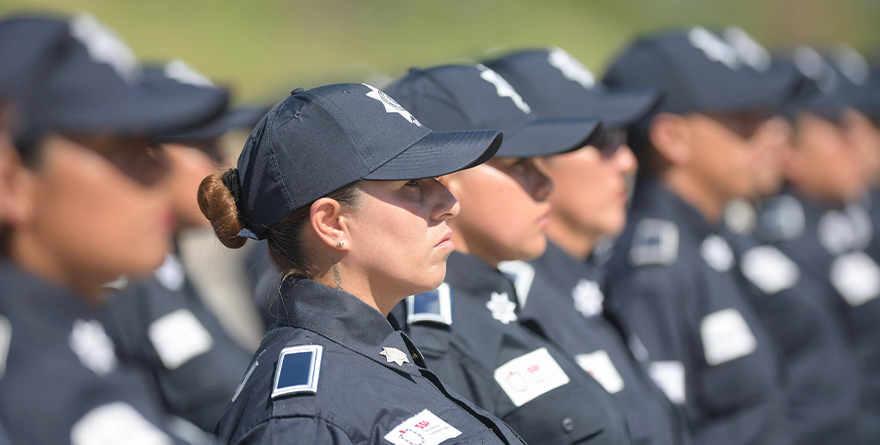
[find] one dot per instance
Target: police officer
(160, 323)
(331, 179)
(469, 327)
(817, 224)
(86, 206)
(565, 290)
(674, 275)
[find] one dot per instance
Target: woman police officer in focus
(339, 181)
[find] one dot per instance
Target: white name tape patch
(857, 277)
(530, 375)
(670, 378)
(178, 337)
(726, 336)
(424, 428)
(116, 422)
(598, 364)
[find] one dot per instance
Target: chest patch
(857, 277)
(599, 365)
(116, 422)
(588, 298)
(178, 337)
(530, 375)
(670, 378)
(726, 336)
(299, 368)
(425, 428)
(434, 306)
(769, 269)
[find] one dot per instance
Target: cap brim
(548, 136)
(767, 91)
(621, 108)
(439, 154)
(240, 118)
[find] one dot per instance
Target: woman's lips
(446, 242)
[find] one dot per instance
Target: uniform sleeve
(295, 430)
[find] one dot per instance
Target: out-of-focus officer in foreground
(565, 290)
(340, 182)
(8, 161)
(160, 323)
(469, 328)
(817, 223)
(823, 379)
(674, 275)
(86, 205)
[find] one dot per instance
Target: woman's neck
(570, 239)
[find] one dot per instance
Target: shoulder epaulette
(434, 306)
(655, 241)
(299, 368)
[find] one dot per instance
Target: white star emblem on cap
(502, 308)
(394, 355)
(391, 105)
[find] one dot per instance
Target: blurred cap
(317, 141)
(857, 84)
(463, 97)
(178, 75)
(815, 90)
(556, 84)
(699, 71)
(77, 76)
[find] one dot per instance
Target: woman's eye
(413, 183)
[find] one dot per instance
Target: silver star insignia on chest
(394, 355)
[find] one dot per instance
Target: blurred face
(188, 164)
(772, 145)
(504, 209)
(590, 189)
(865, 137)
(399, 235)
(98, 211)
(721, 156)
(824, 163)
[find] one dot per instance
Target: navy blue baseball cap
(176, 74)
(464, 97)
(815, 89)
(556, 84)
(77, 76)
(858, 84)
(317, 141)
(698, 71)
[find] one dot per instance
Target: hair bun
(217, 198)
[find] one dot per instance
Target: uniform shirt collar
(475, 277)
(652, 197)
(346, 320)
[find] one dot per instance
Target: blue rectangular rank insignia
(434, 306)
(298, 370)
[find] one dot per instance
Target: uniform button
(567, 424)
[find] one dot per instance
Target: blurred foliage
(265, 48)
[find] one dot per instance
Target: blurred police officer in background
(823, 381)
(160, 323)
(469, 328)
(565, 290)
(674, 275)
(817, 223)
(340, 182)
(86, 205)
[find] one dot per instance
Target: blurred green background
(265, 48)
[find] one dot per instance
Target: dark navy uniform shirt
(822, 377)
(569, 299)
(827, 245)
(470, 334)
(677, 288)
(62, 383)
(333, 370)
(162, 326)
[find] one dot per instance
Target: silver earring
(340, 244)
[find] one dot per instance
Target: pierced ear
(668, 135)
(325, 218)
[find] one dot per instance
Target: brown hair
(284, 238)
